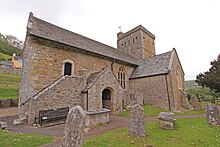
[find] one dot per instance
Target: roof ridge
(75, 33)
(34, 30)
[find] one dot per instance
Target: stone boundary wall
(10, 71)
(7, 103)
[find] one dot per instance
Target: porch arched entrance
(106, 98)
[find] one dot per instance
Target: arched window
(121, 77)
(68, 67)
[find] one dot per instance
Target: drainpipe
(168, 95)
(87, 101)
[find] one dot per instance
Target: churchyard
(189, 130)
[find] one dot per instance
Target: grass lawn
(187, 133)
(12, 139)
(151, 111)
(4, 57)
(9, 86)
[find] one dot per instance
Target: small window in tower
(122, 44)
(136, 37)
(125, 44)
(133, 40)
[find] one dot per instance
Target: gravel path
(58, 130)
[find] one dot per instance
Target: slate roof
(157, 65)
(93, 77)
(41, 28)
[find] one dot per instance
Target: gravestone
(136, 98)
(212, 114)
(75, 124)
(3, 125)
(166, 120)
(197, 105)
(137, 122)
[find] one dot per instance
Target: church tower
(138, 42)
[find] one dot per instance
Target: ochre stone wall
(148, 45)
(177, 83)
(136, 42)
(131, 43)
(43, 64)
(154, 90)
(67, 93)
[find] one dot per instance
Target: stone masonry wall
(176, 83)
(43, 64)
(137, 43)
(106, 80)
(4, 70)
(153, 88)
(67, 93)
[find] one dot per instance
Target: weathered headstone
(3, 124)
(136, 98)
(197, 105)
(166, 120)
(212, 114)
(75, 124)
(137, 122)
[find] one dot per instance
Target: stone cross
(212, 114)
(75, 124)
(137, 122)
(136, 98)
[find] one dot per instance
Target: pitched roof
(94, 77)
(43, 29)
(159, 64)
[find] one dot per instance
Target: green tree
(8, 49)
(211, 78)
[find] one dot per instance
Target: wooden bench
(52, 115)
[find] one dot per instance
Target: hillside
(4, 57)
(190, 83)
(7, 49)
(9, 45)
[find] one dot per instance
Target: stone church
(64, 69)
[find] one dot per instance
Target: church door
(106, 98)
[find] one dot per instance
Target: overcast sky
(190, 26)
